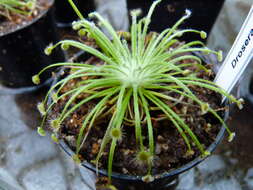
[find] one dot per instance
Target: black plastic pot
(167, 13)
(166, 181)
(65, 14)
(161, 182)
(22, 51)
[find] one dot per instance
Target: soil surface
(170, 149)
(19, 21)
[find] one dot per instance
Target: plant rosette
(26, 28)
(141, 106)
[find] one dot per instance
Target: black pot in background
(22, 51)
(65, 14)
(167, 13)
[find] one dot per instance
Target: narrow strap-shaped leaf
(138, 130)
(149, 123)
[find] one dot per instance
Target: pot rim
(28, 23)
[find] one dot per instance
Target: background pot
(22, 51)
(65, 14)
(168, 12)
(161, 182)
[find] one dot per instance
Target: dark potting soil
(19, 21)
(170, 149)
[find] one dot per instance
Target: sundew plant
(135, 75)
(16, 7)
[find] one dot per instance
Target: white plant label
(238, 57)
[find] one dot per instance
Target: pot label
(238, 57)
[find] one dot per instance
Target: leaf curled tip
(41, 131)
(144, 156)
(36, 79)
(189, 153)
(116, 133)
(48, 50)
(92, 14)
(41, 108)
(188, 13)
(54, 138)
(82, 32)
(240, 103)
(220, 56)
(186, 72)
(206, 154)
(55, 124)
(203, 35)
(64, 46)
(136, 12)
(231, 137)
(204, 108)
(30, 4)
(148, 178)
(76, 25)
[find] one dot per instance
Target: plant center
(132, 74)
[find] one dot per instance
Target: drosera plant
(16, 7)
(135, 76)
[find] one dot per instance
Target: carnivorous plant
(135, 75)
